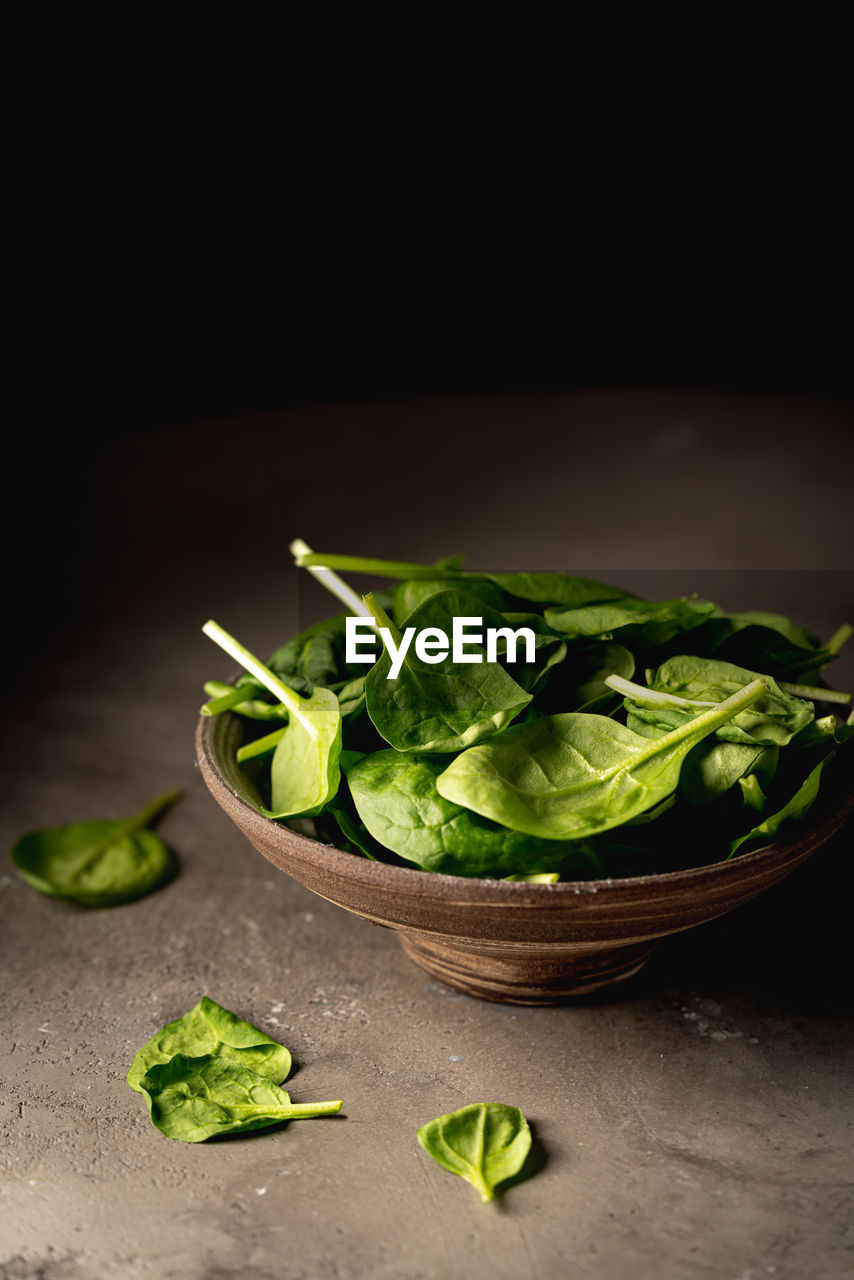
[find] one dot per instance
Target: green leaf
(98, 864)
(192, 1099)
(209, 1029)
(396, 798)
(304, 771)
(446, 706)
(412, 593)
(632, 622)
(568, 776)
(485, 1143)
(762, 641)
(797, 807)
(772, 721)
(713, 768)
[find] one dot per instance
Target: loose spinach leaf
(772, 721)
(485, 1143)
(98, 864)
(192, 1099)
(241, 698)
(304, 771)
(208, 1029)
(568, 776)
(447, 706)
(396, 798)
(795, 808)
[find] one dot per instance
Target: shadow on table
(790, 949)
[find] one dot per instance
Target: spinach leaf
(713, 768)
(304, 771)
(772, 721)
(396, 798)
(442, 707)
(568, 776)
(632, 622)
(762, 642)
(485, 1143)
(795, 808)
(208, 1029)
(413, 592)
(192, 1099)
(98, 864)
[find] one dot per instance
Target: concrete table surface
(696, 1121)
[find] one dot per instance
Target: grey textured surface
(696, 1122)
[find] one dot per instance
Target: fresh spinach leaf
(631, 622)
(412, 593)
(794, 809)
(98, 864)
(568, 776)
(208, 1029)
(485, 1143)
(442, 707)
(396, 798)
(772, 721)
(714, 768)
(192, 1099)
(762, 641)
(304, 771)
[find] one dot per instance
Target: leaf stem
(381, 618)
(261, 746)
(708, 720)
(305, 1110)
(300, 550)
(839, 637)
(652, 697)
(225, 701)
(379, 568)
(815, 694)
(290, 700)
(154, 809)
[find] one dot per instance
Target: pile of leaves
(645, 736)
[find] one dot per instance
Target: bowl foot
(533, 978)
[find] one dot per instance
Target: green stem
(292, 701)
(379, 568)
(328, 579)
(837, 640)
(814, 693)
(703, 724)
(261, 746)
(652, 697)
(145, 816)
(305, 1110)
(381, 618)
(225, 701)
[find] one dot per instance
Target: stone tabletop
(696, 1121)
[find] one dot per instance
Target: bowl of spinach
(530, 819)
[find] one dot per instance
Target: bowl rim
(476, 888)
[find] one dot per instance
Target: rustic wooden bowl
(512, 942)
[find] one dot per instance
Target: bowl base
(524, 979)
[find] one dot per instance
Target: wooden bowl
(512, 942)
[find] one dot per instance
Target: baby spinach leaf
(413, 592)
(772, 721)
(485, 1143)
(763, 642)
(98, 864)
(713, 768)
(568, 776)
(304, 771)
(396, 798)
(192, 1099)
(208, 1029)
(632, 622)
(446, 706)
(795, 808)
